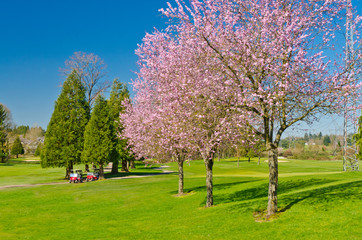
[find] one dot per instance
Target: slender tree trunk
(101, 171)
(68, 169)
(209, 185)
(67, 173)
(180, 162)
(259, 160)
(115, 166)
(133, 166)
(124, 166)
(273, 180)
(218, 155)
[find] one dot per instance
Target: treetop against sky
(39, 36)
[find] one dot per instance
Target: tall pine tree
(3, 134)
(64, 138)
(119, 153)
(98, 144)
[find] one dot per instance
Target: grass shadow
(261, 191)
(218, 186)
(241, 160)
(6, 164)
(127, 174)
(323, 196)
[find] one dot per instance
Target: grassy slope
(319, 202)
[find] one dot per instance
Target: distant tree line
(15, 140)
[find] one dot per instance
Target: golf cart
(92, 176)
(76, 176)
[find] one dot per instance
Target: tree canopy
(91, 70)
(98, 136)
(17, 147)
(119, 95)
(255, 67)
(64, 138)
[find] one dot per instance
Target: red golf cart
(92, 176)
(76, 176)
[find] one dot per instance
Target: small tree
(326, 140)
(98, 144)
(17, 147)
(38, 149)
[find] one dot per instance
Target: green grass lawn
(316, 200)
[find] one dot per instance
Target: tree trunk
(259, 160)
(68, 169)
(133, 166)
(273, 180)
(115, 166)
(101, 171)
(180, 176)
(209, 186)
(124, 166)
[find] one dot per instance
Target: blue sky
(38, 36)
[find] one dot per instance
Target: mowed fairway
(316, 199)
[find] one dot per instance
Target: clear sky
(37, 36)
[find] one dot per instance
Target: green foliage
(3, 134)
(21, 130)
(17, 147)
(284, 143)
(320, 136)
(118, 95)
(358, 138)
(38, 149)
(64, 138)
(3, 115)
(306, 137)
(98, 136)
(326, 140)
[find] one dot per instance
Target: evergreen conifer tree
(3, 135)
(118, 94)
(326, 140)
(64, 138)
(17, 147)
(98, 144)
